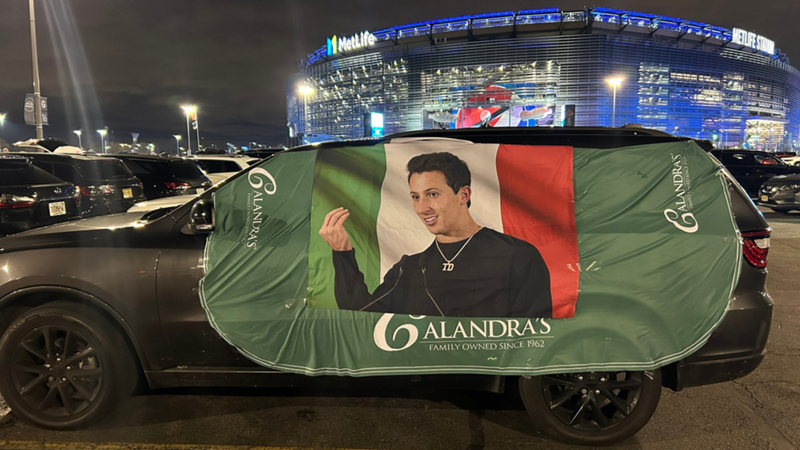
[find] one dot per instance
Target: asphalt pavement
(760, 411)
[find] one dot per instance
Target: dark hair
(455, 171)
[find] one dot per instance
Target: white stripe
(400, 230)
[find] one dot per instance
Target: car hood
(110, 230)
(164, 202)
(783, 179)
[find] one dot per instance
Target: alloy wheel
(593, 401)
(56, 371)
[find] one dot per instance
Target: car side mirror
(201, 219)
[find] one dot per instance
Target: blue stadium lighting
(539, 11)
(524, 17)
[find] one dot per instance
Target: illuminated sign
(355, 42)
(752, 40)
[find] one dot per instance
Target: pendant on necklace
(447, 267)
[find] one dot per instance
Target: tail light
(755, 246)
(11, 201)
(176, 186)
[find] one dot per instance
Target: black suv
(751, 168)
(77, 332)
(106, 185)
(31, 197)
(165, 176)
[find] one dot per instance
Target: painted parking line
(54, 445)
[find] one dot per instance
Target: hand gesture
(333, 230)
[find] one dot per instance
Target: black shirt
(495, 275)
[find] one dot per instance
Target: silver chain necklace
(448, 266)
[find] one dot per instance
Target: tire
(64, 366)
(616, 405)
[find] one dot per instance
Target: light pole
(37, 92)
(614, 82)
(103, 139)
(188, 110)
(196, 126)
(78, 133)
(306, 91)
(177, 143)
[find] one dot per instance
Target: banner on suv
(444, 256)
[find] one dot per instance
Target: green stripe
(350, 178)
(247, 287)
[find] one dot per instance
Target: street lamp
(103, 139)
(189, 110)
(614, 82)
(37, 88)
(306, 91)
(78, 133)
(177, 143)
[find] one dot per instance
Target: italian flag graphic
(522, 191)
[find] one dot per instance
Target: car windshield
(185, 169)
(216, 166)
(22, 173)
(104, 170)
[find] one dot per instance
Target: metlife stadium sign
(357, 41)
(752, 40)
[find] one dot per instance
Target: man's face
(440, 209)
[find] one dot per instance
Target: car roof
(221, 157)
(143, 157)
(739, 150)
(58, 156)
(588, 137)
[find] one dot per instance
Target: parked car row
(104, 184)
(771, 181)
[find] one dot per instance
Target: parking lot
(758, 411)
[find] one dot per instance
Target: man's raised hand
(333, 230)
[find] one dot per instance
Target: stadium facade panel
(551, 68)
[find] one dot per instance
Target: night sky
(130, 64)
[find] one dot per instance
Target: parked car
(791, 160)
(781, 193)
(31, 197)
(165, 176)
(106, 185)
(221, 167)
(752, 168)
(79, 332)
(161, 203)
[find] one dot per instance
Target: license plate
(200, 191)
(58, 209)
(764, 198)
(127, 193)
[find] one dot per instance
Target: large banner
(443, 256)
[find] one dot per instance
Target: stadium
(591, 67)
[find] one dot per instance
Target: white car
(163, 202)
(218, 168)
(791, 160)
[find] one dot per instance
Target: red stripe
(537, 202)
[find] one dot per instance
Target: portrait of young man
(467, 271)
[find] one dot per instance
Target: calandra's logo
(681, 215)
(261, 182)
(470, 334)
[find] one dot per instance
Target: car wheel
(594, 408)
(64, 366)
